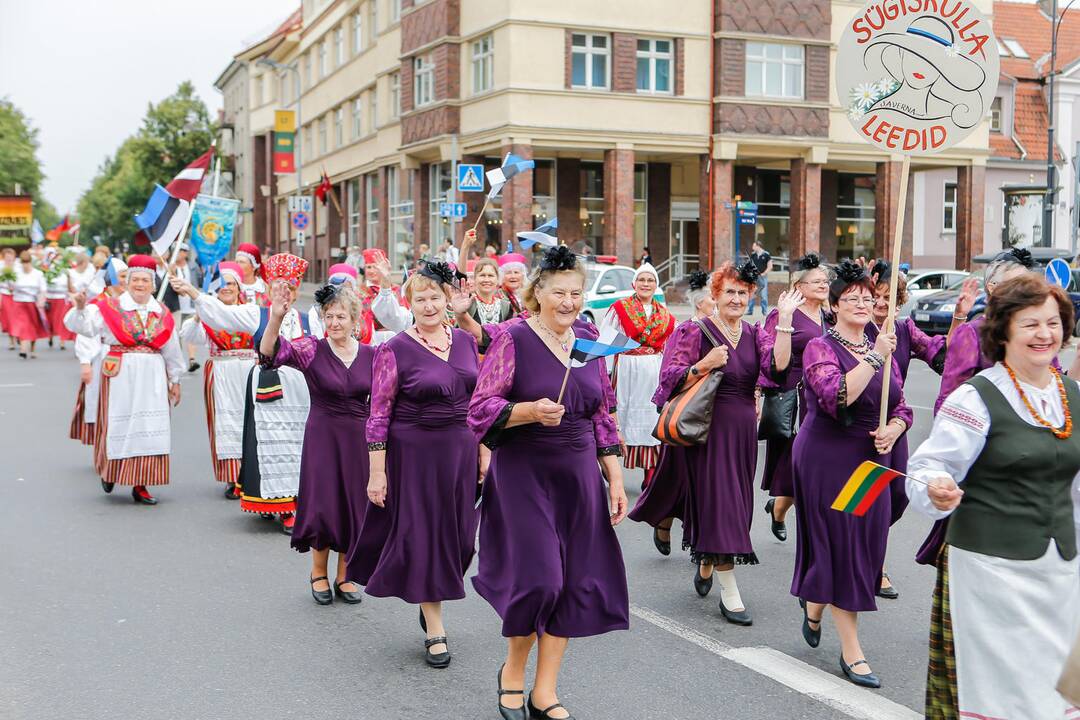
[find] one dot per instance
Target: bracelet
(959, 317)
(874, 360)
(787, 330)
(900, 421)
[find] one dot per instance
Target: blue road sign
(452, 210)
(470, 178)
(747, 212)
(1059, 273)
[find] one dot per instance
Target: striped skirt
(140, 470)
(226, 470)
(641, 456)
(80, 429)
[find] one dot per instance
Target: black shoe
(779, 529)
(140, 495)
(869, 680)
(702, 585)
(538, 714)
(322, 597)
(436, 660)
(510, 713)
(231, 493)
(812, 637)
(423, 620)
(22, 355)
(349, 597)
(193, 366)
(663, 546)
(889, 592)
(107, 486)
(736, 617)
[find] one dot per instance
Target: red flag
(54, 234)
(324, 188)
(188, 182)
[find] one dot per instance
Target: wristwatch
(694, 370)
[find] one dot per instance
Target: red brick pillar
(970, 199)
(805, 233)
(716, 211)
(568, 189)
(517, 198)
(382, 230)
(619, 205)
(420, 196)
(886, 197)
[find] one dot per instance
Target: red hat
(284, 266)
(511, 258)
(253, 255)
(231, 270)
(340, 271)
(141, 262)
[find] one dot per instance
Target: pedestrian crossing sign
(470, 178)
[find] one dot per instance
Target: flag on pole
(37, 235)
(611, 342)
(498, 177)
(212, 279)
(323, 191)
(162, 219)
(188, 182)
(546, 235)
(54, 234)
(863, 488)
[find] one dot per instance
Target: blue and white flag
(611, 342)
(512, 165)
(546, 235)
(37, 235)
(163, 219)
(212, 279)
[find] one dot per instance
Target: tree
(19, 164)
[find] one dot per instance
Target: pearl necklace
(860, 348)
(733, 336)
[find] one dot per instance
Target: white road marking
(831, 690)
(16, 385)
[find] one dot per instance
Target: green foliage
(19, 163)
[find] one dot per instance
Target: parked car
(921, 283)
(604, 284)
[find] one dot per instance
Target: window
(591, 206)
(1015, 48)
(483, 64)
(948, 215)
(322, 122)
(395, 94)
(400, 204)
(441, 189)
(641, 207)
(543, 204)
(357, 118)
(296, 85)
(258, 90)
(352, 198)
(423, 81)
(371, 194)
(395, 10)
(339, 46)
(322, 59)
(774, 70)
(995, 115)
(373, 109)
(373, 20)
(339, 126)
(357, 33)
(306, 147)
(654, 60)
(307, 71)
(589, 61)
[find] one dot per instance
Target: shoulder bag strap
(708, 333)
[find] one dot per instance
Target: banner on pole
(284, 121)
(212, 225)
(284, 153)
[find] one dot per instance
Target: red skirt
(55, 311)
(25, 322)
(6, 302)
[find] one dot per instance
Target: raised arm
(83, 318)
(384, 389)
(963, 359)
(280, 304)
(230, 318)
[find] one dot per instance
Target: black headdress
(809, 261)
(749, 273)
(438, 271)
(698, 279)
(848, 273)
(558, 259)
(1017, 255)
(327, 294)
(881, 271)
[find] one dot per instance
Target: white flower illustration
(855, 112)
(864, 95)
(885, 86)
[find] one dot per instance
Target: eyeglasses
(821, 283)
(858, 301)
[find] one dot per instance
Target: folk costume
(1008, 584)
(257, 292)
(7, 282)
(142, 361)
(277, 400)
(26, 314)
(389, 311)
(637, 372)
(57, 304)
(512, 261)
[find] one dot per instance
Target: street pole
(1051, 180)
(1076, 196)
(297, 150)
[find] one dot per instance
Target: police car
(605, 283)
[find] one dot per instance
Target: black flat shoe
(538, 714)
(143, 497)
(322, 597)
(702, 585)
(736, 617)
(349, 597)
(890, 592)
(107, 486)
(510, 713)
(436, 660)
(869, 680)
(812, 637)
(423, 620)
(663, 546)
(230, 492)
(193, 366)
(778, 527)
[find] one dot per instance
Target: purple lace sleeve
(766, 340)
(384, 387)
(931, 350)
(823, 375)
(963, 360)
(489, 408)
(683, 350)
(604, 428)
(296, 353)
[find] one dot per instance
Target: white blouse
(960, 431)
(243, 318)
(28, 286)
(389, 312)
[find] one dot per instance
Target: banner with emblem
(212, 222)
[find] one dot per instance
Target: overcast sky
(84, 72)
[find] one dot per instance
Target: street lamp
(1051, 169)
(282, 68)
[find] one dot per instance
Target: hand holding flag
(869, 480)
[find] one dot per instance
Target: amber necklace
(1066, 431)
(435, 348)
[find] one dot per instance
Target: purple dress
(333, 476)
(549, 558)
(778, 473)
(963, 360)
(838, 556)
(420, 545)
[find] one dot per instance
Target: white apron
(279, 429)
(638, 376)
(230, 386)
(138, 408)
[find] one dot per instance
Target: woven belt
(124, 349)
(643, 350)
(240, 353)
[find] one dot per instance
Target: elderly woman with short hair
(550, 562)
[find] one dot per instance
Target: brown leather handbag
(685, 418)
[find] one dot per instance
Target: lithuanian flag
(863, 488)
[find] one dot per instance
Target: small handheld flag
(498, 177)
(611, 342)
(162, 220)
(37, 235)
(212, 279)
(546, 235)
(863, 488)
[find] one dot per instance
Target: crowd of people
(484, 438)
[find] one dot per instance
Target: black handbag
(779, 412)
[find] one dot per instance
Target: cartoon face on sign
(917, 76)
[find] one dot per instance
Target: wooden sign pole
(894, 279)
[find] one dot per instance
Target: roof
(1028, 25)
(1029, 125)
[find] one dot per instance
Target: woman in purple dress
(664, 498)
(788, 328)
(419, 540)
(838, 556)
(333, 479)
(550, 563)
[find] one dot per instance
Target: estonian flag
(163, 219)
(511, 166)
(611, 342)
(212, 279)
(546, 235)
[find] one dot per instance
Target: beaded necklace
(861, 348)
(1066, 431)
(435, 348)
(733, 336)
(564, 341)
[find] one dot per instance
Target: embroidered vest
(223, 341)
(128, 328)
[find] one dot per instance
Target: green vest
(1017, 495)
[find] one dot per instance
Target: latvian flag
(611, 342)
(168, 208)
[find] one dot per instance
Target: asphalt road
(193, 610)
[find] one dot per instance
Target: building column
(886, 195)
(830, 182)
(420, 194)
(805, 228)
(517, 197)
(382, 230)
(619, 204)
(568, 199)
(970, 186)
(658, 217)
(717, 211)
